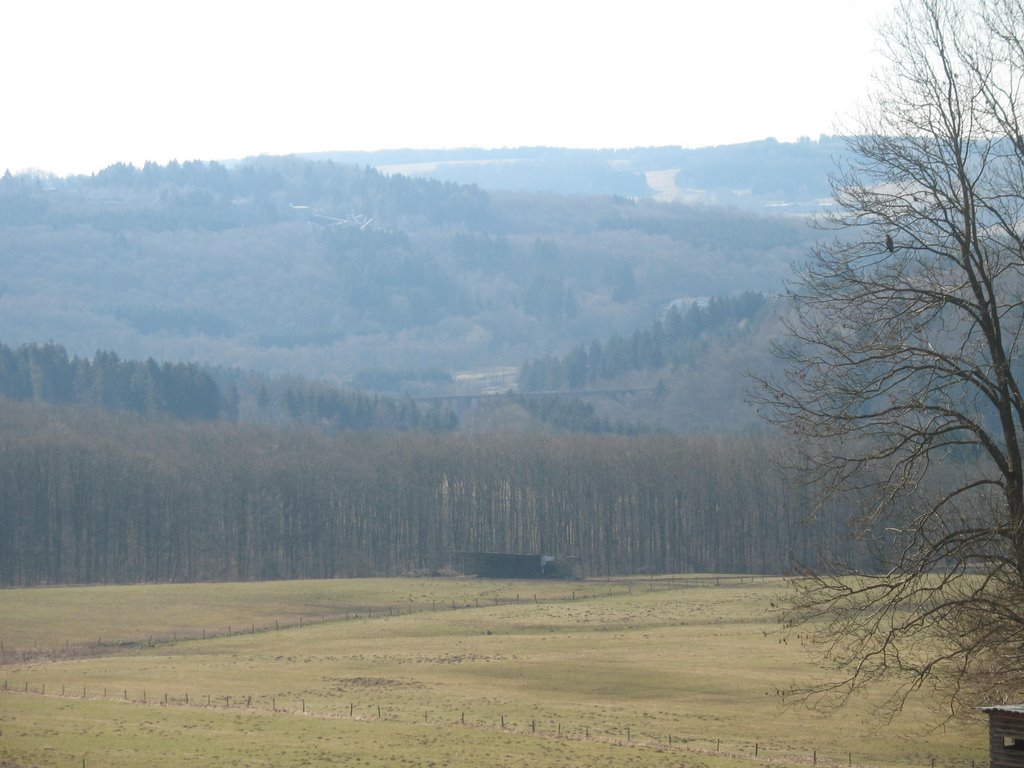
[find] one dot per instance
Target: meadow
(433, 672)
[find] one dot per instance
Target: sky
(88, 84)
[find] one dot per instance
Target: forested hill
(347, 274)
(47, 374)
(688, 371)
(682, 336)
(552, 392)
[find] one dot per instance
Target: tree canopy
(904, 365)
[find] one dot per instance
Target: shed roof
(1010, 709)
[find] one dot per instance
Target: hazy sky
(87, 84)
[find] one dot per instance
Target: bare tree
(903, 366)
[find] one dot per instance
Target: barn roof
(516, 565)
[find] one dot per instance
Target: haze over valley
(445, 281)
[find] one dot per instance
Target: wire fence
(620, 734)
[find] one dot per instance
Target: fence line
(623, 735)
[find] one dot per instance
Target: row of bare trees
(93, 497)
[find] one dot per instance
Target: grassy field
(386, 672)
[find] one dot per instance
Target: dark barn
(1005, 736)
(500, 565)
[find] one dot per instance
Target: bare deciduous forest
(99, 497)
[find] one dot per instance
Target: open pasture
(59, 619)
(642, 673)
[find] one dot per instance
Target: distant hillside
(343, 273)
(762, 175)
(686, 372)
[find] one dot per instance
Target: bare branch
(902, 366)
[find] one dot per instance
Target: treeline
(679, 337)
(382, 379)
(46, 373)
(569, 414)
(212, 196)
(339, 411)
(87, 497)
